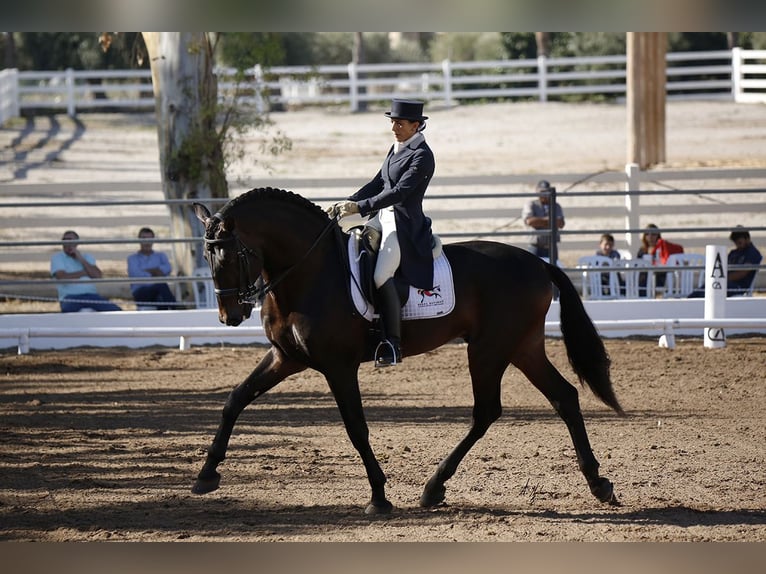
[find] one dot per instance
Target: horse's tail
(585, 348)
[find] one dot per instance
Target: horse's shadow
(680, 515)
(185, 517)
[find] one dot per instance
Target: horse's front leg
(345, 389)
(273, 368)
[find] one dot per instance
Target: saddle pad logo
(430, 297)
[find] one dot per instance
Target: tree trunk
(543, 41)
(191, 154)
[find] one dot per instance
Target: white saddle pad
(421, 304)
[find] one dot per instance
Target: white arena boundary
(136, 329)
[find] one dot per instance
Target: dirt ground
(105, 444)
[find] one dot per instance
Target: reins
(249, 292)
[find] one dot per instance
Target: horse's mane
(271, 193)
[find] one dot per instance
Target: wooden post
(646, 98)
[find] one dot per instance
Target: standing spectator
(535, 215)
(656, 250)
(149, 263)
(744, 253)
(70, 264)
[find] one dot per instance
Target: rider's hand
(334, 210)
(346, 208)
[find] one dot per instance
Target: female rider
(393, 202)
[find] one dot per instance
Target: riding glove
(342, 209)
(346, 208)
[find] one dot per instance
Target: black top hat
(411, 110)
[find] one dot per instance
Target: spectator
(70, 264)
(656, 250)
(535, 215)
(149, 263)
(744, 253)
(606, 249)
(739, 281)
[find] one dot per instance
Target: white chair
(204, 294)
(632, 276)
(681, 281)
(625, 255)
(593, 284)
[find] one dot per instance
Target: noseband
(248, 292)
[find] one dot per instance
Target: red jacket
(664, 249)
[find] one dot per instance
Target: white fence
(725, 74)
(136, 329)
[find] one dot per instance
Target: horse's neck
(288, 242)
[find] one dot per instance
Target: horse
(277, 247)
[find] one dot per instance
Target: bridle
(251, 292)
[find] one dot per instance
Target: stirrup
(387, 354)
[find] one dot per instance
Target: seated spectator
(744, 253)
(149, 263)
(70, 264)
(738, 281)
(658, 250)
(606, 249)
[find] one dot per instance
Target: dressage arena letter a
(715, 293)
(717, 272)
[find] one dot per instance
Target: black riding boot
(388, 352)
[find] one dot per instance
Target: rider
(393, 201)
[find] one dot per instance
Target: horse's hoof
(604, 491)
(375, 509)
(205, 485)
(433, 496)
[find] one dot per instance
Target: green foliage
(243, 50)
(519, 45)
(79, 51)
(467, 46)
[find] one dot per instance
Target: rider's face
(403, 129)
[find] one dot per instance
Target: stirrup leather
(387, 354)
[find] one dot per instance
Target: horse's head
(234, 267)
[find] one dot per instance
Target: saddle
(367, 246)
(363, 246)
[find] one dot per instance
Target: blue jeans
(73, 303)
(157, 294)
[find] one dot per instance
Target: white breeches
(390, 255)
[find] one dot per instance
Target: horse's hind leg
(272, 369)
(487, 366)
(564, 399)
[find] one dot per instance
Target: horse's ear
(202, 212)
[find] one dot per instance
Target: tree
(191, 154)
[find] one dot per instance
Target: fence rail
(694, 216)
(724, 74)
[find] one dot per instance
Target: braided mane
(271, 193)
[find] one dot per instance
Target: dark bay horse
(502, 297)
